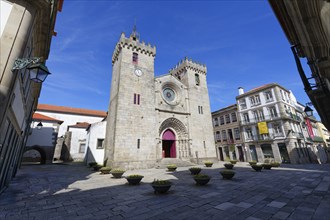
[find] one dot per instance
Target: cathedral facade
(154, 118)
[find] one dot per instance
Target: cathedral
(156, 118)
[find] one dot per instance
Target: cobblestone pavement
(73, 191)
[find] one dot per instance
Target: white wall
(96, 131)
(5, 9)
(70, 119)
(78, 137)
(42, 137)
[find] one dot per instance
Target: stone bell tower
(130, 133)
(193, 75)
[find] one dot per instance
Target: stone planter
(233, 161)
(134, 180)
(117, 173)
(257, 168)
(195, 170)
(227, 174)
(229, 166)
(171, 169)
(252, 163)
(161, 188)
(267, 166)
(105, 170)
(208, 164)
(201, 179)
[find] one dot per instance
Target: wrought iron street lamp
(39, 125)
(38, 71)
(308, 111)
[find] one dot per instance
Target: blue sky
(241, 42)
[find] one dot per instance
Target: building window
(269, 96)
(272, 112)
(99, 144)
(277, 130)
(224, 135)
(233, 117)
(236, 133)
(222, 120)
(200, 110)
(242, 104)
(255, 100)
(136, 99)
(227, 119)
(82, 148)
(246, 117)
(138, 143)
(135, 58)
(197, 79)
(217, 136)
(249, 134)
(216, 122)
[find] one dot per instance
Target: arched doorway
(168, 144)
(34, 154)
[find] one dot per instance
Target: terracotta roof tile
(70, 110)
(41, 117)
(79, 125)
(259, 88)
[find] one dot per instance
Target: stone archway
(41, 151)
(168, 144)
(179, 130)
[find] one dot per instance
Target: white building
(271, 125)
(71, 141)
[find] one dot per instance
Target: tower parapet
(133, 43)
(188, 64)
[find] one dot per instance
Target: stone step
(178, 162)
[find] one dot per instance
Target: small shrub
(135, 176)
(208, 163)
(275, 164)
(161, 182)
(171, 166)
(117, 171)
(227, 171)
(201, 176)
(105, 170)
(252, 162)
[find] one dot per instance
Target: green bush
(201, 176)
(275, 164)
(137, 176)
(227, 172)
(117, 171)
(171, 166)
(161, 182)
(252, 162)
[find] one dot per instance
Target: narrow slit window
(138, 143)
(135, 58)
(138, 99)
(134, 98)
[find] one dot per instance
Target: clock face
(138, 72)
(169, 94)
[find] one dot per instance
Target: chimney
(240, 91)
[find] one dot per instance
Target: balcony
(261, 138)
(230, 141)
(256, 120)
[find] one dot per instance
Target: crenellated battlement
(188, 64)
(133, 43)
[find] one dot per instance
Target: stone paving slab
(74, 191)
